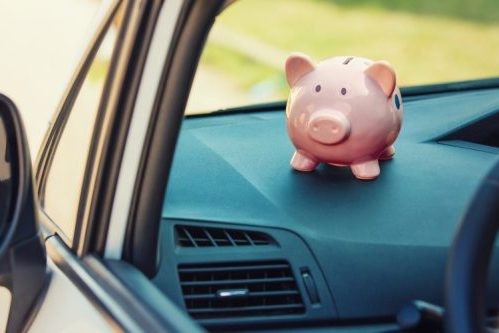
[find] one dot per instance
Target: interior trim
(143, 300)
(107, 104)
(160, 45)
(71, 266)
(136, 13)
(61, 290)
(142, 236)
(130, 303)
(112, 154)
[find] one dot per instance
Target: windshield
(426, 42)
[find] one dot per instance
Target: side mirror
(22, 252)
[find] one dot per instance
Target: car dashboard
(248, 243)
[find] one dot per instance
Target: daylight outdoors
(348, 204)
(426, 41)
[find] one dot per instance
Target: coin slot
(347, 60)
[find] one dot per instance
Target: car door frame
(139, 246)
(100, 281)
(57, 124)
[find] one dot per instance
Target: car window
(65, 177)
(426, 41)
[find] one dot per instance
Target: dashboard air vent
(195, 236)
(240, 290)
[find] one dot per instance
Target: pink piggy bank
(344, 111)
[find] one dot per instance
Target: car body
(225, 236)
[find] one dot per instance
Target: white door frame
(142, 111)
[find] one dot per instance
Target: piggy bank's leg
(388, 153)
(301, 162)
(366, 170)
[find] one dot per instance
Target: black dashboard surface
(379, 244)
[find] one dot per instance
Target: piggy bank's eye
(318, 88)
(397, 101)
(343, 91)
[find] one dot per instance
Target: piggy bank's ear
(297, 65)
(384, 75)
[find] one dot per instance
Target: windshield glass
(426, 41)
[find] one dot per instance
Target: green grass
(472, 10)
(426, 41)
(245, 70)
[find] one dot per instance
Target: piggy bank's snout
(328, 127)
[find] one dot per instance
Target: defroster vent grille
(240, 290)
(196, 236)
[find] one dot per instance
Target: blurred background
(427, 41)
(41, 45)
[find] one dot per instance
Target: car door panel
(64, 301)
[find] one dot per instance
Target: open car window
(426, 41)
(65, 177)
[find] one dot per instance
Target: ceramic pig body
(344, 111)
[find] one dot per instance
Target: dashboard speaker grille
(196, 236)
(265, 288)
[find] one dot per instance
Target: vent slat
(230, 282)
(232, 268)
(231, 240)
(222, 290)
(248, 238)
(209, 237)
(251, 294)
(186, 232)
(248, 308)
(198, 236)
